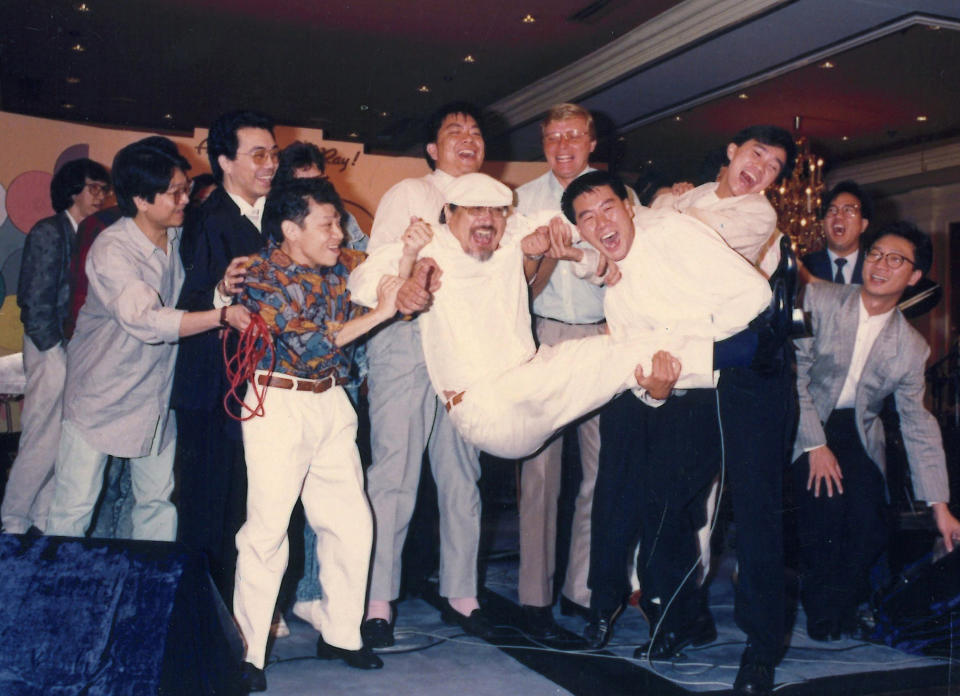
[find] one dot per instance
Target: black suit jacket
(818, 263)
(212, 237)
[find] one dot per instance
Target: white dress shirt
(868, 328)
(848, 267)
(422, 198)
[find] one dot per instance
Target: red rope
(254, 344)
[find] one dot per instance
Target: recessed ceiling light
(67, 105)
(353, 134)
(384, 114)
(423, 89)
(649, 161)
(469, 58)
(677, 118)
(934, 27)
(845, 138)
(78, 47)
(921, 118)
(169, 117)
(82, 7)
(73, 80)
(743, 95)
(364, 107)
(827, 65)
(528, 19)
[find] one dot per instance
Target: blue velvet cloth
(86, 616)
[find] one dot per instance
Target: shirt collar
(140, 239)
(247, 210)
(867, 318)
(73, 223)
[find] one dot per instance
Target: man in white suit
(861, 351)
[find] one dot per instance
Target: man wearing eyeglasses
(862, 350)
(847, 211)
(565, 307)
(243, 158)
(77, 190)
(121, 357)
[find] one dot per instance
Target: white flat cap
(478, 189)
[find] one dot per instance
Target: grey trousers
(30, 486)
(406, 418)
(539, 494)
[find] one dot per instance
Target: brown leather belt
(453, 401)
(316, 386)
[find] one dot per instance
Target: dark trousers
(841, 536)
(656, 465)
(758, 418)
(212, 490)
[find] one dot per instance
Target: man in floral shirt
(303, 444)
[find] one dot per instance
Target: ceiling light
(169, 117)
(67, 105)
(677, 118)
(845, 138)
(921, 118)
(73, 80)
(82, 7)
(528, 19)
(353, 134)
(78, 47)
(827, 65)
(469, 58)
(743, 95)
(364, 107)
(423, 89)
(649, 161)
(384, 114)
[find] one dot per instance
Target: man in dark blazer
(847, 211)
(77, 190)
(862, 350)
(212, 493)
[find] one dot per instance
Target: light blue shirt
(566, 298)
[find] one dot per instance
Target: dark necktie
(838, 278)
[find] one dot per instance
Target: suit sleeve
(40, 275)
(809, 430)
(921, 434)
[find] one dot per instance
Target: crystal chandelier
(797, 199)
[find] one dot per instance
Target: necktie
(838, 278)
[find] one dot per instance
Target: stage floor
(431, 658)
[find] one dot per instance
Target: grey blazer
(895, 366)
(43, 291)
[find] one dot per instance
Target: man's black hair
(776, 137)
(432, 127)
(585, 183)
(222, 139)
(851, 187)
(291, 201)
(298, 155)
(71, 178)
(144, 169)
(922, 246)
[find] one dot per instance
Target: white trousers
(304, 446)
(514, 413)
(30, 486)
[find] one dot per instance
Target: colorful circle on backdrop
(3, 205)
(71, 153)
(28, 199)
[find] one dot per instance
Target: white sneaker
(279, 628)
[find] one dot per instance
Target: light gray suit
(895, 366)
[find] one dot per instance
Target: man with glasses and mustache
(77, 190)
(862, 350)
(847, 211)
(121, 357)
(243, 158)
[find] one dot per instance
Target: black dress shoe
(599, 630)
(377, 633)
(669, 643)
(754, 678)
(570, 608)
(823, 630)
(358, 659)
(477, 624)
(252, 678)
(538, 623)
